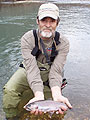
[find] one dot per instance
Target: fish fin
(50, 114)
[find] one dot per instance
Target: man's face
(47, 27)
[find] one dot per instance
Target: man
(44, 52)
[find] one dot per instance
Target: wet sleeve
(55, 75)
(32, 70)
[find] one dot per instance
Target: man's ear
(58, 20)
(37, 21)
(57, 23)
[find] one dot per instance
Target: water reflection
(75, 25)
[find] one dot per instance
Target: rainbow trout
(45, 106)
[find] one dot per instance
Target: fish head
(31, 107)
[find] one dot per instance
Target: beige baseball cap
(48, 10)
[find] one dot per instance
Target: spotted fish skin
(45, 105)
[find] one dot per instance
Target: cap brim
(47, 15)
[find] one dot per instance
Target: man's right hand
(38, 96)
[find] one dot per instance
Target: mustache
(47, 29)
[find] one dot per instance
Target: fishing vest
(45, 68)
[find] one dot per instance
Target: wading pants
(16, 93)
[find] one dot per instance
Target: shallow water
(75, 25)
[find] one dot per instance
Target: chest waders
(45, 68)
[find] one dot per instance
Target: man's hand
(38, 96)
(57, 96)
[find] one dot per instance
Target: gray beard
(46, 34)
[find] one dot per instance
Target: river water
(15, 20)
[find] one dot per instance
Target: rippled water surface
(15, 20)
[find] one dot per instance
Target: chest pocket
(44, 70)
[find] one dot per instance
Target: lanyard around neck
(45, 52)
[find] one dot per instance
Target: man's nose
(48, 24)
